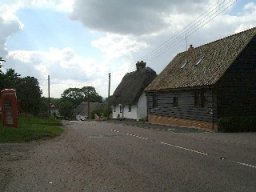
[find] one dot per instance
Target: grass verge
(29, 129)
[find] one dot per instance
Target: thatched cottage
(129, 99)
(205, 83)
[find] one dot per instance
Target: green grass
(29, 129)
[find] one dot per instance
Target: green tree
(73, 95)
(29, 95)
(10, 79)
(66, 108)
(77, 96)
(90, 94)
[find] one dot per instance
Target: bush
(102, 112)
(237, 124)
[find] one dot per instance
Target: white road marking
(183, 148)
(186, 149)
(247, 165)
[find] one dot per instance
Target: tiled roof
(204, 65)
(132, 86)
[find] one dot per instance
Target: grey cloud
(130, 17)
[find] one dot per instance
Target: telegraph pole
(88, 103)
(49, 97)
(109, 82)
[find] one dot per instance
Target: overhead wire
(198, 23)
(186, 33)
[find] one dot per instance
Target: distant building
(129, 99)
(205, 83)
(82, 109)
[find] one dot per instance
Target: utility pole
(109, 82)
(88, 103)
(49, 97)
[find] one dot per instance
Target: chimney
(190, 48)
(191, 52)
(140, 65)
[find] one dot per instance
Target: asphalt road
(103, 156)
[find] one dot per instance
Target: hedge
(237, 124)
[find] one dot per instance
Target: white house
(129, 100)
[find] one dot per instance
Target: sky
(79, 42)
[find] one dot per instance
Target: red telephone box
(9, 108)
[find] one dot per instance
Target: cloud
(129, 31)
(66, 68)
(131, 17)
(9, 24)
(116, 46)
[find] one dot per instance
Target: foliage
(90, 94)
(31, 128)
(29, 94)
(66, 108)
(27, 90)
(77, 95)
(237, 124)
(72, 97)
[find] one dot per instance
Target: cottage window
(155, 101)
(130, 108)
(121, 109)
(175, 102)
(199, 99)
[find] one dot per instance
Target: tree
(73, 95)
(66, 108)
(27, 90)
(90, 94)
(77, 96)
(29, 94)
(9, 79)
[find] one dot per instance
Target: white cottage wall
(142, 106)
(130, 114)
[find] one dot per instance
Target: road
(103, 156)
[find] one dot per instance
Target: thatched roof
(204, 65)
(133, 85)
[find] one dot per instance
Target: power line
(201, 21)
(173, 42)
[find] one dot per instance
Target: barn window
(155, 101)
(199, 99)
(130, 108)
(175, 101)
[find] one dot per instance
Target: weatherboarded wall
(236, 90)
(184, 109)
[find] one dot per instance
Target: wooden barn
(205, 83)
(129, 99)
